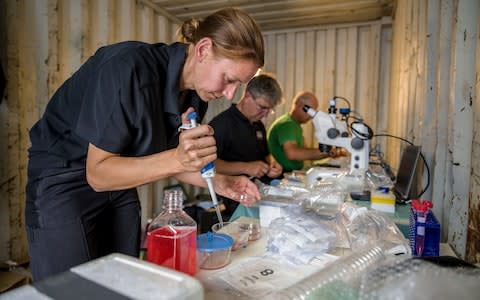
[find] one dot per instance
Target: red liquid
(173, 247)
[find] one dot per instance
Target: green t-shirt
(282, 130)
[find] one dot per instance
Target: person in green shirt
(285, 135)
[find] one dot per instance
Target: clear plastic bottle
(171, 237)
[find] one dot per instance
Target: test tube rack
(432, 234)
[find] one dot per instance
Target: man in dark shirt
(241, 136)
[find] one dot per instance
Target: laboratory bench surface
(257, 249)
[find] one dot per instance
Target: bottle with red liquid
(171, 237)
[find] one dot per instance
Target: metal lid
(211, 242)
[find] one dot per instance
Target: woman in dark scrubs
(113, 126)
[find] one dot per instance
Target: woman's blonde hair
(234, 33)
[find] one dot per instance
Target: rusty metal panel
(441, 161)
(384, 87)
(432, 93)
(473, 233)
(462, 96)
(5, 248)
(45, 42)
(72, 35)
(101, 27)
(146, 24)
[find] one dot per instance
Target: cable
(393, 136)
(421, 155)
(344, 99)
(360, 135)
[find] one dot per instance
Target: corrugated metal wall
(430, 69)
(332, 61)
(434, 96)
(46, 41)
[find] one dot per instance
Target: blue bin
(432, 234)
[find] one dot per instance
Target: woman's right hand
(196, 146)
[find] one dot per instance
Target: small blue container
(213, 250)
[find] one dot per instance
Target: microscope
(333, 131)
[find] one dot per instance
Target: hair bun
(186, 32)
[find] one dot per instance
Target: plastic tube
(421, 208)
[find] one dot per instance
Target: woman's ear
(203, 48)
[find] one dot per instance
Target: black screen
(406, 172)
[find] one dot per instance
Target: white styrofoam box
(140, 279)
(127, 276)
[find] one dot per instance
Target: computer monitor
(407, 169)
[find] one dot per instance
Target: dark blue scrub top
(124, 100)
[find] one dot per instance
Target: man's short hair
(267, 87)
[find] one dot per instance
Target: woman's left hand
(238, 188)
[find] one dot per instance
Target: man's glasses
(262, 108)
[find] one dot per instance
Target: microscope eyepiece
(306, 108)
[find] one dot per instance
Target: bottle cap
(212, 242)
(383, 189)
(421, 205)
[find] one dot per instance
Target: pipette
(208, 172)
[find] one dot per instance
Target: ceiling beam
(158, 9)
